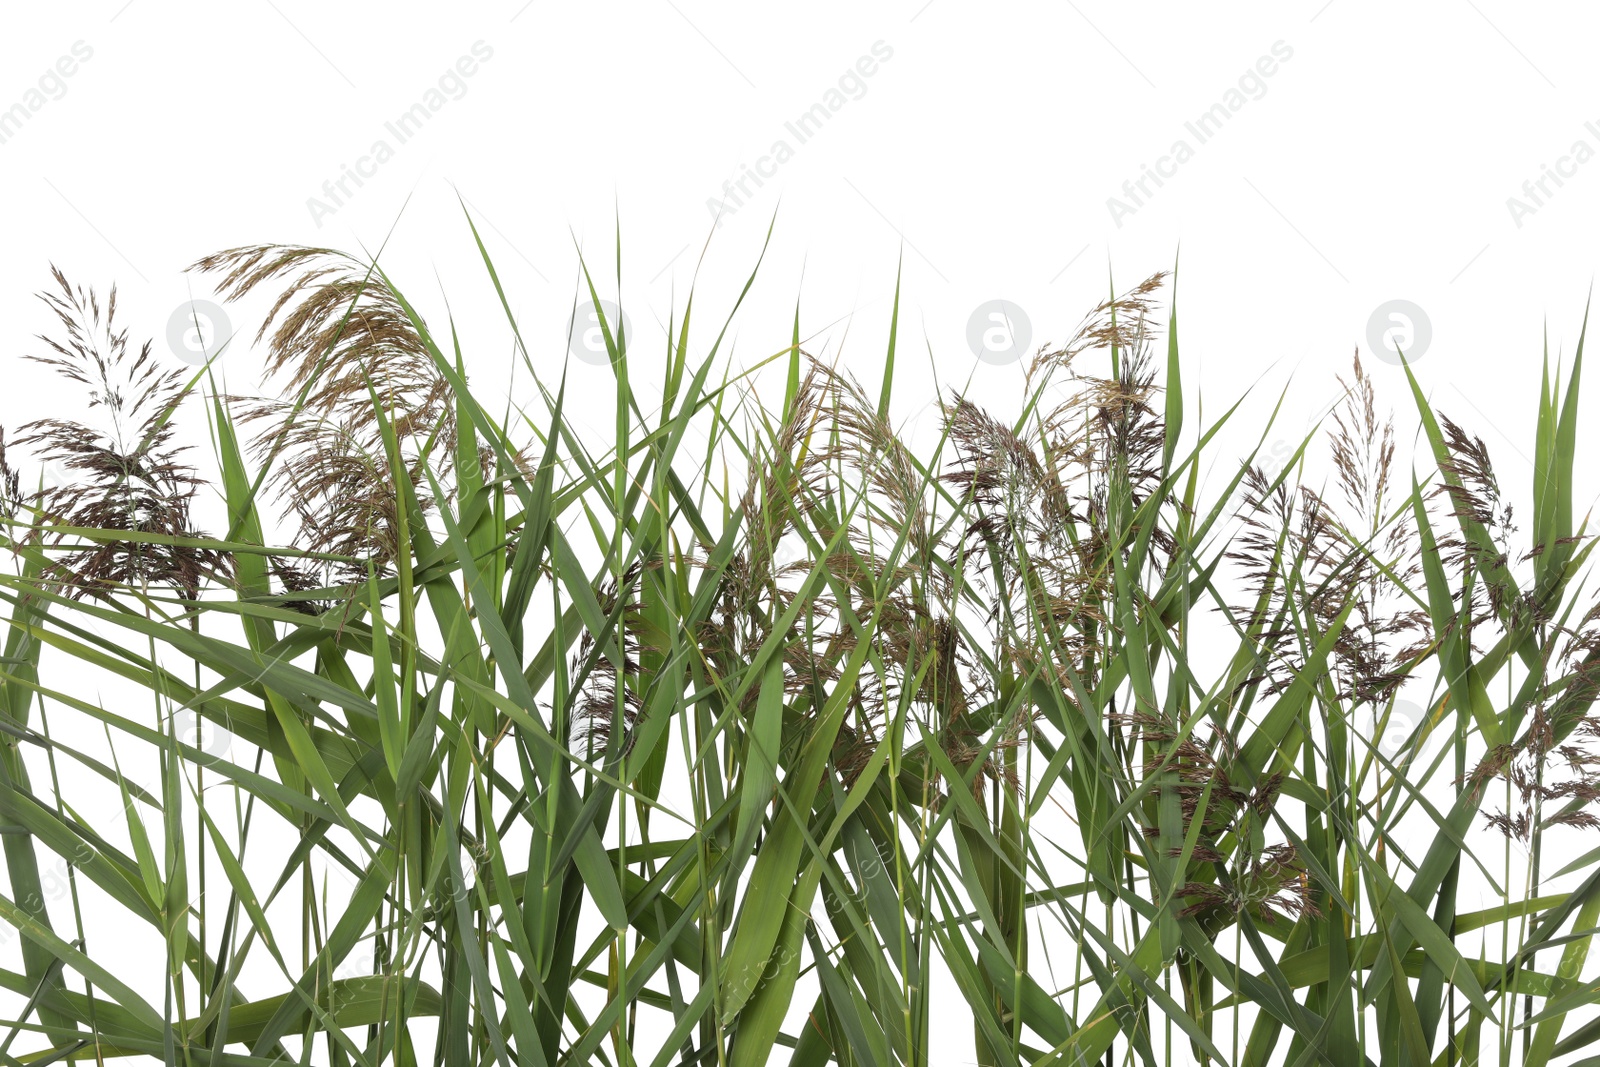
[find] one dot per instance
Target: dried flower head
(337, 336)
(128, 474)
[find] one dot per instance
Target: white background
(1374, 164)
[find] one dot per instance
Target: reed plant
(758, 734)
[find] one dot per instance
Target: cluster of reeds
(466, 740)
